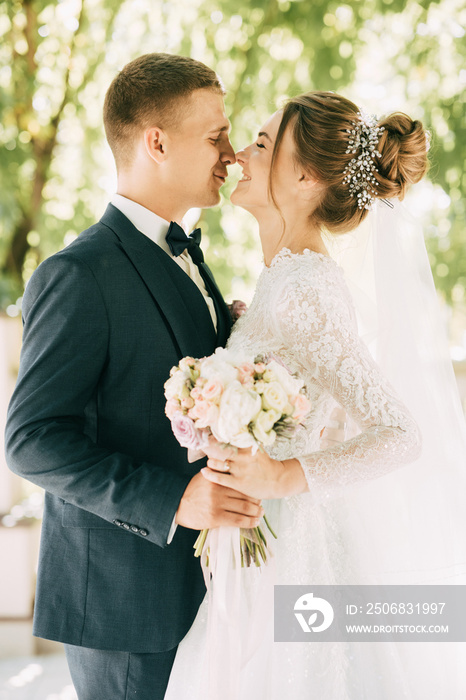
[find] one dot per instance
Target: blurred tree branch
(43, 140)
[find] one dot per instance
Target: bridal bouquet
(243, 403)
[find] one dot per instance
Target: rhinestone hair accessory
(428, 140)
(359, 173)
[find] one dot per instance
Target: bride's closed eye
(260, 145)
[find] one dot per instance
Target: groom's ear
(155, 142)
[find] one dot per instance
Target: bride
(341, 508)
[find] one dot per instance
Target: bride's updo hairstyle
(321, 123)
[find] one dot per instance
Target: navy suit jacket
(104, 321)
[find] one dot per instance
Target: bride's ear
(155, 142)
(306, 182)
(308, 187)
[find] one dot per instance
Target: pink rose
(302, 406)
(199, 409)
(246, 373)
(185, 432)
(259, 367)
(196, 393)
(212, 390)
(206, 414)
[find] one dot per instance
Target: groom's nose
(227, 156)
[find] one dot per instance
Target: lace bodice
(302, 313)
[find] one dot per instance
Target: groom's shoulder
(100, 236)
(95, 253)
(91, 243)
(95, 246)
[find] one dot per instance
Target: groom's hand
(207, 505)
(237, 308)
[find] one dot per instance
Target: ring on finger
(226, 465)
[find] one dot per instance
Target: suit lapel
(176, 295)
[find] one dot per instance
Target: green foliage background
(57, 59)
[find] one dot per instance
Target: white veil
(413, 521)
(409, 526)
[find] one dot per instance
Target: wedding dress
(303, 314)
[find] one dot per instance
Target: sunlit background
(56, 61)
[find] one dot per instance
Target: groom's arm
(64, 354)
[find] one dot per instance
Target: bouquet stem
(200, 542)
(253, 545)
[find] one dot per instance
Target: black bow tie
(178, 242)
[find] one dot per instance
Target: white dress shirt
(155, 228)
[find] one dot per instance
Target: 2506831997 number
(404, 608)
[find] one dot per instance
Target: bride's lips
(245, 178)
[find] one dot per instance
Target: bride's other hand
(258, 476)
(335, 429)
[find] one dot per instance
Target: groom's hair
(149, 92)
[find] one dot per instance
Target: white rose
(175, 387)
(259, 386)
(269, 418)
(244, 439)
(262, 427)
(274, 397)
(238, 407)
(290, 384)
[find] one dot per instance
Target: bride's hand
(258, 476)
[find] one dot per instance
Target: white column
(10, 344)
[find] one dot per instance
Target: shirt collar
(148, 223)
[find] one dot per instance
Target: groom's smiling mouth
(221, 177)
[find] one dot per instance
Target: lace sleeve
(316, 313)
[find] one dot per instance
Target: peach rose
(213, 390)
(302, 406)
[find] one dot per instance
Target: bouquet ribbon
(240, 605)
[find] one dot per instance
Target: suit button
(134, 528)
(117, 522)
(125, 525)
(144, 533)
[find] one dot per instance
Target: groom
(104, 321)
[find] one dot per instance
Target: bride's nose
(241, 156)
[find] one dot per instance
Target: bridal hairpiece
(359, 173)
(428, 140)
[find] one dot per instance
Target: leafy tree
(57, 58)
(49, 59)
